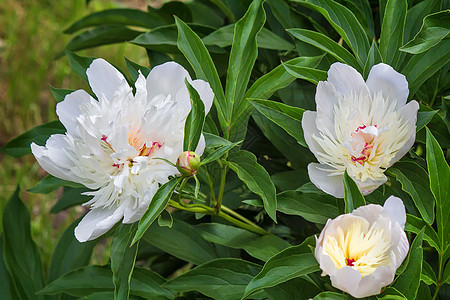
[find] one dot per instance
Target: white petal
(371, 285)
(394, 209)
(205, 92)
(392, 84)
(326, 97)
(97, 222)
(69, 109)
(330, 184)
(346, 79)
(201, 145)
(309, 129)
(401, 248)
(166, 79)
(132, 214)
(369, 185)
(104, 79)
(327, 265)
(370, 212)
(346, 279)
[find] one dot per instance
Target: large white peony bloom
(110, 144)
(364, 127)
(361, 251)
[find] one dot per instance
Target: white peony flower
(110, 144)
(361, 251)
(364, 127)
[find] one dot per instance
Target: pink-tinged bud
(188, 163)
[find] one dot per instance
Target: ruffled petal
(372, 284)
(97, 222)
(133, 214)
(321, 177)
(369, 185)
(393, 85)
(205, 92)
(346, 279)
(68, 110)
(104, 79)
(346, 80)
(394, 209)
(309, 129)
(326, 97)
(370, 212)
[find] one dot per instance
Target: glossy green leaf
(290, 263)
(434, 29)
(69, 253)
(373, 58)
(165, 219)
(122, 16)
(20, 254)
(261, 247)
(163, 39)
(218, 153)
(79, 64)
(60, 94)
(20, 146)
(309, 74)
(71, 197)
(417, 13)
(195, 52)
(123, 257)
(428, 276)
(439, 172)
(287, 117)
(194, 122)
(134, 69)
(391, 293)
(256, 178)
(345, 23)
(423, 118)
(326, 44)
(352, 195)
(330, 296)
(414, 180)
(213, 141)
(408, 282)
(392, 29)
(51, 183)
(224, 278)
(415, 224)
(156, 206)
(294, 289)
(182, 241)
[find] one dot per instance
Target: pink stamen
(104, 137)
(350, 262)
(146, 151)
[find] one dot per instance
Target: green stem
(221, 189)
(237, 215)
(180, 189)
(438, 284)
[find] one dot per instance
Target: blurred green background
(31, 36)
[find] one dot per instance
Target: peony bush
(308, 159)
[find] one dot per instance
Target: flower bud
(188, 163)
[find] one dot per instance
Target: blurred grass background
(30, 39)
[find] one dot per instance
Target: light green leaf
(309, 74)
(415, 224)
(256, 178)
(428, 276)
(352, 195)
(290, 263)
(224, 278)
(434, 29)
(165, 219)
(218, 153)
(156, 206)
(51, 183)
(194, 122)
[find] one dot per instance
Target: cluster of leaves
(247, 228)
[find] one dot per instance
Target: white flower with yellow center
(361, 251)
(110, 144)
(361, 127)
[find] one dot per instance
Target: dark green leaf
(256, 178)
(213, 141)
(373, 58)
(165, 219)
(352, 195)
(428, 276)
(218, 153)
(224, 278)
(71, 197)
(123, 257)
(79, 64)
(6, 285)
(294, 289)
(435, 28)
(330, 296)
(290, 263)
(414, 180)
(156, 206)
(423, 118)
(287, 117)
(309, 74)
(194, 122)
(51, 183)
(134, 69)
(391, 293)
(20, 146)
(20, 253)
(60, 94)
(415, 224)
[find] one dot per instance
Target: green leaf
(434, 29)
(326, 44)
(20, 253)
(194, 122)
(71, 197)
(415, 224)
(423, 118)
(6, 285)
(414, 181)
(162, 39)
(134, 69)
(51, 183)
(79, 64)
(345, 23)
(181, 241)
(428, 276)
(330, 296)
(352, 195)
(20, 146)
(218, 153)
(309, 74)
(408, 282)
(373, 58)
(213, 141)
(256, 178)
(439, 172)
(123, 257)
(261, 247)
(195, 52)
(294, 289)
(224, 278)
(156, 206)
(102, 35)
(165, 219)
(392, 28)
(225, 9)
(391, 293)
(122, 16)
(69, 253)
(287, 117)
(242, 58)
(60, 94)
(290, 263)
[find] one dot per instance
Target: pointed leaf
(219, 153)
(415, 224)
(309, 74)
(79, 64)
(194, 122)
(51, 183)
(352, 195)
(60, 94)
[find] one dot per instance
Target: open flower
(361, 251)
(363, 127)
(110, 144)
